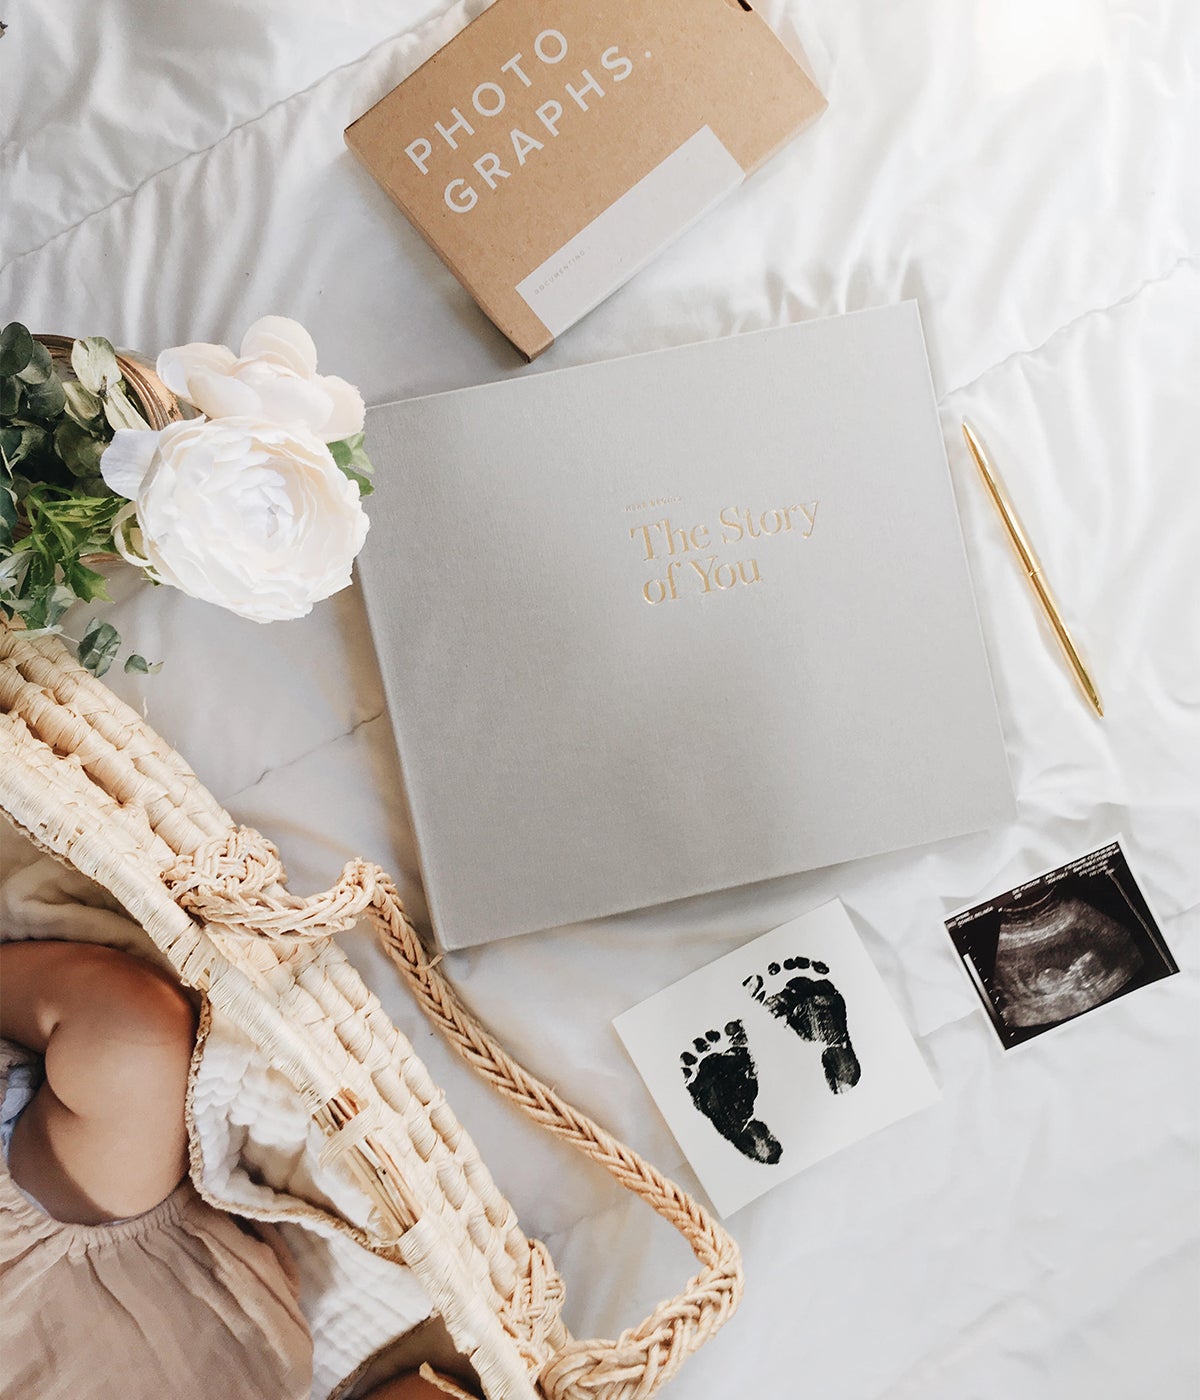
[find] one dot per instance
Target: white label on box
(631, 231)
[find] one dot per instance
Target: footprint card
(776, 1055)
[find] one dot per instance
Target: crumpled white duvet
(1026, 169)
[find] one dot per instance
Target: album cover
(1060, 945)
(677, 622)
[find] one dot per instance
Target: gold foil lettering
(645, 531)
(658, 590)
(703, 572)
(665, 526)
(681, 545)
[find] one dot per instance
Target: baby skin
(104, 1137)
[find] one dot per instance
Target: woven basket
(89, 781)
(149, 394)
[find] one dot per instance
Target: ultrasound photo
(1060, 945)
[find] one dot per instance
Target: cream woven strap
(237, 882)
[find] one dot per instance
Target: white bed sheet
(1028, 172)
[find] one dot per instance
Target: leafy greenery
(138, 664)
(99, 646)
(351, 457)
(55, 508)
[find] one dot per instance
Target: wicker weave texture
(88, 780)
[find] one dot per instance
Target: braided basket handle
(634, 1365)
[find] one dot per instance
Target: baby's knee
(125, 1026)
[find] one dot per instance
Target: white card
(791, 1064)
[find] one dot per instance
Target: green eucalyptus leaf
(16, 348)
(95, 364)
(99, 646)
(58, 601)
(40, 366)
(46, 400)
(120, 412)
(78, 449)
(82, 405)
(12, 571)
(138, 665)
(44, 610)
(33, 610)
(23, 443)
(10, 396)
(8, 514)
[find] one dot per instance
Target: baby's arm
(105, 1136)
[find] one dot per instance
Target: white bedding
(1026, 170)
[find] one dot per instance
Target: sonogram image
(1061, 945)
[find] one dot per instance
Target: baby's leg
(105, 1136)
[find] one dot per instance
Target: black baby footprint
(815, 1009)
(723, 1083)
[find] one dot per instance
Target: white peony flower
(249, 515)
(275, 380)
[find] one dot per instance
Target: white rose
(274, 380)
(248, 515)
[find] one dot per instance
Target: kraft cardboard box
(553, 147)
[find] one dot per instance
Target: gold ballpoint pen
(1029, 562)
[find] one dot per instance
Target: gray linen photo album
(677, 622)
